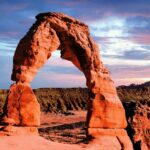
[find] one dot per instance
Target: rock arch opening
(58, 73)
(51, 31)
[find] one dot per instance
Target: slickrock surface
(32, 142)
(54, 31)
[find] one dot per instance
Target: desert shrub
(62, 99)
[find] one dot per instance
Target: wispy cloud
(59, 77)
(66, 2)
(130, 74)
(60, 80)
(7, 48)
(10, 7)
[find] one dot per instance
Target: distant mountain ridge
(146, 84)
(135, 92)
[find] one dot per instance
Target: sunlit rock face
(53, 31)
(22, 106)
(138, 123)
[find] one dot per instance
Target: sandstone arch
(53, 31)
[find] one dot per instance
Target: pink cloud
(142, 39)
(60, 80)
(133, 14)
(66, 3)
(126, 76)
(8, 8)
(10, 33)
(56, 61)
(51, 78)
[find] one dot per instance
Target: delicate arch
(56, 31)
(53, 31)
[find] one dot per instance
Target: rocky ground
(70, 128)
(64, 114)
(65, 128)
(57, 131)
(33, 143)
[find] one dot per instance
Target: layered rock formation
(54, 31)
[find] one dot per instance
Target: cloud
(58, 80)
(5, 71)
(123, 40)
(9, 7)
(142, 39)
(58, 66)
(7, 49)
(125, 75)
(66, 2)
(100, 9)
(58, 72)
(56, 75)
(137, 55)
(132, 55)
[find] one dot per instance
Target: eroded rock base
(22, 107)
(14, 130)
(112, 139)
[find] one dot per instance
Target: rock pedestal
(53, 31)
(22, 106)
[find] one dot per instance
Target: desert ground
(57, 130)
(65, 128)
(63, 124)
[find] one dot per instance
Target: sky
(120, 28)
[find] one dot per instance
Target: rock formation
(52, 31)
(138, 115)
(22, 106)
(22, 111)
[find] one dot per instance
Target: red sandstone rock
(138, 123)
(9, 121)
(54, 31)
(23, 106)
(33, 142)
(115, 139)
(14, 130)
